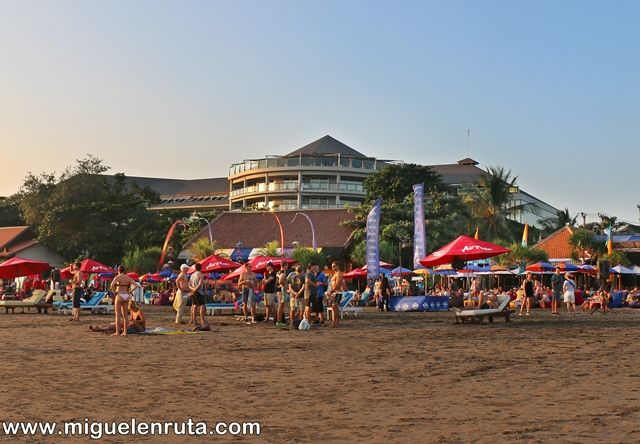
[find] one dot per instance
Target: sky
(183, 89)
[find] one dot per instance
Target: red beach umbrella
(91, 266)
(463, 248)
(259, 263)
(215, 263)
(17, 266)
(357, 273)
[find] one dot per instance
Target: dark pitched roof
(326, 145)
(173, 187)
(10, 236)
(458, 173)
(254, 229)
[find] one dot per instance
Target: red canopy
(215, 263)
(87, 266)
(357, 273)
(234, 274)
(259, 263)
(133, 275)
(464, 248)
(91, 266)
(17, 266)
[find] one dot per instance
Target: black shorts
(77, 294)
(316, 305)
(310, 301)
(198, 299)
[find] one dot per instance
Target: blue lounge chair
(345, 306)
(92, 303)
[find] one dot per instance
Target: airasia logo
(475, 248)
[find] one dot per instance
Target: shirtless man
(122, 285)
(247, 284)
(337, 285)
(76, 284)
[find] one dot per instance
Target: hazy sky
(549, 89)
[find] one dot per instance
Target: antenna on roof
(468, 141)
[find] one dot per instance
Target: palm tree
(271, 249)
(492, 202)
(203, 248)
(554, 223)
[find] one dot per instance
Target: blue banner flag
(419, 236)
(373, 240)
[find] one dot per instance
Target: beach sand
(385, 377)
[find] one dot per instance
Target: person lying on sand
(136, 322)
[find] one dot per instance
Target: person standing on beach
(196, 287)
(322, 289)
(556, 286)
(121, 286)
(247, 284)
(385, 291)
(310, 290)
(182, 293)
(569, 289)
(76, 284)
(283, 294)
(270, 281)
(296, 290)
(527, 286)
(337, 287)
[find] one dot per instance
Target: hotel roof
(325, 146)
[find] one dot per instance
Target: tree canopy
(445, 214)
(82, 213)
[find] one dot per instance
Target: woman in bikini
(121, 286)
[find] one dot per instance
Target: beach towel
(165, 331)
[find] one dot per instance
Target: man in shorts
(322, 289)
(334, 295)
(283, 293)
(196, 287)
(270, 282)
(310, 290)
(247, 284)
(556, 286)
(296, 293)
(76, 284)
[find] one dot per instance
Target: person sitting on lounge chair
(136, 321)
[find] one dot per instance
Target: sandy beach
(381, 378)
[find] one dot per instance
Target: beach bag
(304, 325)
(296, 323)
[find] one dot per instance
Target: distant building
(467, 172)
(242, 234)
(21, 241)
(557, 245)
(325, 174)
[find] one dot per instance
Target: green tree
(520, 254)
(203, 248)
(583, 245)
(491, 203)
(9, 213)
(84, 213)
(270, 249)
(388, 253)
(305, 256)
(616, 258)
(142, 260)
(446, 216)
(561, 219)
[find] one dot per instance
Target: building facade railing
(306, 161)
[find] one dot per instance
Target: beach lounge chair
(465, 316)
(212, 307)
(36, 300)
(345, 306)
(93, 302)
